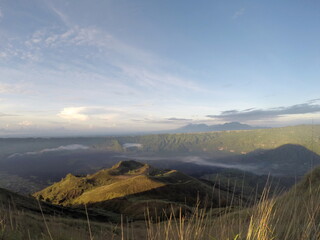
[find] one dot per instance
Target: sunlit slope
(122, 188)
(222, 143)
(132, 185)
(71, 187)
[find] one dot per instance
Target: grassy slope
(293, 216)
(71, 187)
(298, 210)
(249, 186)
(129, 186)
(118, 189)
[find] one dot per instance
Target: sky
(121, 66)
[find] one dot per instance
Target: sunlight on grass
(294, 215)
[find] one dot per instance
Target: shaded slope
(14, 202)
(286, 160)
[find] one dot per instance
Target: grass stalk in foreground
(293, 216)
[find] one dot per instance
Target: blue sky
(88, 67)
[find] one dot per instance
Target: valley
(140, 181)
(288, 152)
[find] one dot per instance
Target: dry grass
(293, 216)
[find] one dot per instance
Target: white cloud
(239, 13)
(73, 113)
(97, 113)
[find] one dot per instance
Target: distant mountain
(192, 128)
(129, 187)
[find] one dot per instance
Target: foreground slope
(129, 186)
(293, 216)
(296, 214)
(21, 218)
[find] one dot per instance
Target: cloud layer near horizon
(265, 114)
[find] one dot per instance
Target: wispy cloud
(84, 45)
(88, 65)
(239, 13)
(179, 119)
(71, 147)
(266, 114)
(156, 79)
(63, 17)
(131, 63)
(6, 115)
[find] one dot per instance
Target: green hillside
(221, 143)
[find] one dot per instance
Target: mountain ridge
(129, 184)
(230, 126)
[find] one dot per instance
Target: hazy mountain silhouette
(286, 160)
(190, 128)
